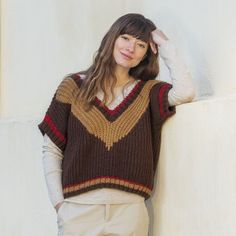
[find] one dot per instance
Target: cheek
(141, 55)
(116, 49)
(117, 44)
(115, 53)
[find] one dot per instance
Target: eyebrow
(141, 41)
(135, 38)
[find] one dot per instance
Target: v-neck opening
(118, 98)
(113, 114)
(123, 103)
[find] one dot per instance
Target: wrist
(167, 50)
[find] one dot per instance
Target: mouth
(126, 56)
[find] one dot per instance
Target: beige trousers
(76, 219)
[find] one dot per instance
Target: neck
(122, 75)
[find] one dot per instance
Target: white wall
(205, 31)
(196, 190)
(41, 41)
(25, 209)
(44, 40)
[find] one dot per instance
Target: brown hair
(101, 73)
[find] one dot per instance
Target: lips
(126, 56)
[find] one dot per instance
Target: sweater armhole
(55, 121)
(160, 104)
(166, 110)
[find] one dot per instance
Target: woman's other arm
(52, 159)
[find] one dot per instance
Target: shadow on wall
(194, 56)
(200, 69)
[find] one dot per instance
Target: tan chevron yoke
(111, 132)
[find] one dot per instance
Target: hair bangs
(138, 29)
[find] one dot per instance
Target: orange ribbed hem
(107, 180)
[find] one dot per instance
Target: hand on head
(158, 38)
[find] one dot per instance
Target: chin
(125, 64)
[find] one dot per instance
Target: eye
(124, 37)
(142, 45)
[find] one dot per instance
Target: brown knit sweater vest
(108, 148)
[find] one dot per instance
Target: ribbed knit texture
(108, 148)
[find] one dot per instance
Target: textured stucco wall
(195, 190)
(43, 41)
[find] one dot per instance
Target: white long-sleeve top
(182, 91)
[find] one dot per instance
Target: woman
(102, 131)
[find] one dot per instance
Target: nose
(131, 46)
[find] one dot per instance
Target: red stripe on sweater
(109, 177)
(53, 128)
(161, 98)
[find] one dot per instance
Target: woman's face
(129, 51)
